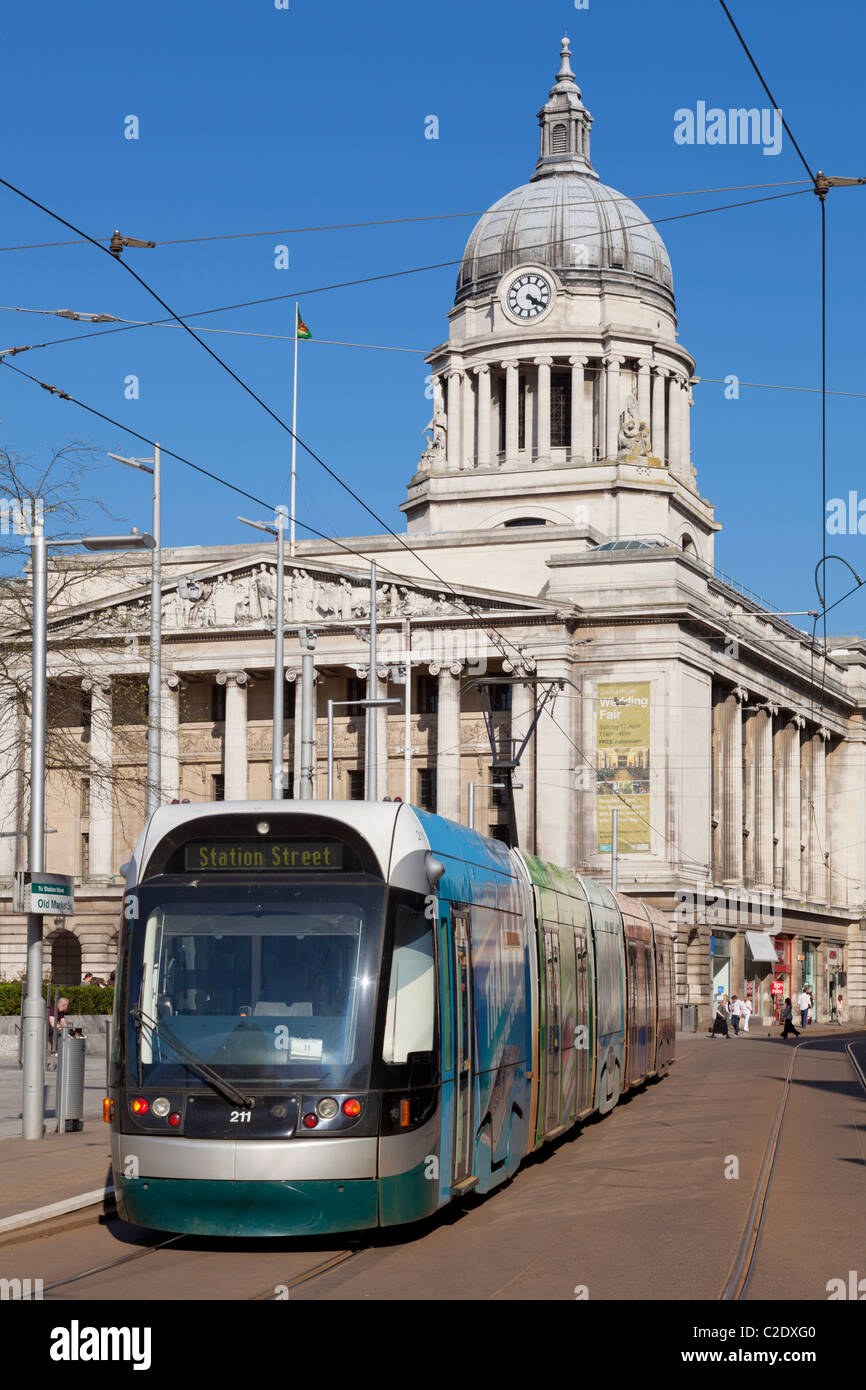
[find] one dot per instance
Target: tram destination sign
(45, 892)
(264, 856)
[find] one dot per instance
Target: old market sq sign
(43, 892)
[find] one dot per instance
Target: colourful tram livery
(333, 1016)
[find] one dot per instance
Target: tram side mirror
(422, 1068)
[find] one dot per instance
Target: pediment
(241, 595)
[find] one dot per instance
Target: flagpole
(294, 438)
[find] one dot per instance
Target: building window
(497, 788)
(85, 855)
(356, 689)
(218, 787)
(427, 788)
(289, 700)
(428, 694)
(560, 410)
(85, 798)
(501, 832)
(500, 698)
(217, 703)
(560, 136)
(500, 396)
(356, 784)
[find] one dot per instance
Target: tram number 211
(240, 1117)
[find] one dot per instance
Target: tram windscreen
(261, 982)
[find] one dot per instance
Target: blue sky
(254, 119)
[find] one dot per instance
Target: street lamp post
(356, 704)
(33, 1008)
(154, 681)
(277, 770)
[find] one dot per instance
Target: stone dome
(586, 232)
(564, 218)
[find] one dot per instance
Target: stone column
(612, 413)
(780, 788)
(522, 709)
(819, 843)
(643, 390)
(732, 786)
(454, 432)
(555, 761)
(382, 735)
(544, 364)
(675, 417)
(448, 740)
(658, 445)
(512, 384)
(170, 738)
(792, 876)
(101, 828)
(577, 365)
(762, 854)
(467, 452)
(235, 755)
(11, 741)
(686, 434)
(485, 411)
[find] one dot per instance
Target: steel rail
(740, 1272)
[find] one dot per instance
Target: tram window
(608, 957)
(411, 1011)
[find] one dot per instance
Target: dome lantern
(565, 124)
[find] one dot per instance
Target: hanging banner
(623, 763)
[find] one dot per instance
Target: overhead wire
(427, 217)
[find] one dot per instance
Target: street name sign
(45, 892)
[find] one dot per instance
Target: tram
(332, 1016)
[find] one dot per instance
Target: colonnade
(483, 416)
(772, 830)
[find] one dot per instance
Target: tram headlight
(161, 1106)
(327, 1108)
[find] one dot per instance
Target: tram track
(743, 1264)
(279, 1292)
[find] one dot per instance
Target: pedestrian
(56, 1023)
(86, 978)
(804, 1004)
(813, 1007)
(746, 1012)
(840, 1010)
(720, 1023)
(736, 1015)
(788, 1020)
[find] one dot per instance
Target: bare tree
(82, 636)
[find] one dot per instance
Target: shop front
(720, 964)
(760, 958)
(834, 973)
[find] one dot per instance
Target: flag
(301, 329)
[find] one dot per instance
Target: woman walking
(720, 1023)
(788, 1020)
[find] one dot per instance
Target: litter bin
(70, 1082)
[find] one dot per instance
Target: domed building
(558, 546)
(562, 392)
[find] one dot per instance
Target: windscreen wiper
(192, 1059)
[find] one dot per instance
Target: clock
(528, 296)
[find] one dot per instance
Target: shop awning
(761, 945)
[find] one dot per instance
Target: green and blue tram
(332, 1016)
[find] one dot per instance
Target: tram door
(553, 1050)
(463, 1034)
(583, 1031)
(633, 1062)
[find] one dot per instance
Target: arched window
(560, 139)
(65, 958)
(526, 521)
(688, 544)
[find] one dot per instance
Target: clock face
(529, 295)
